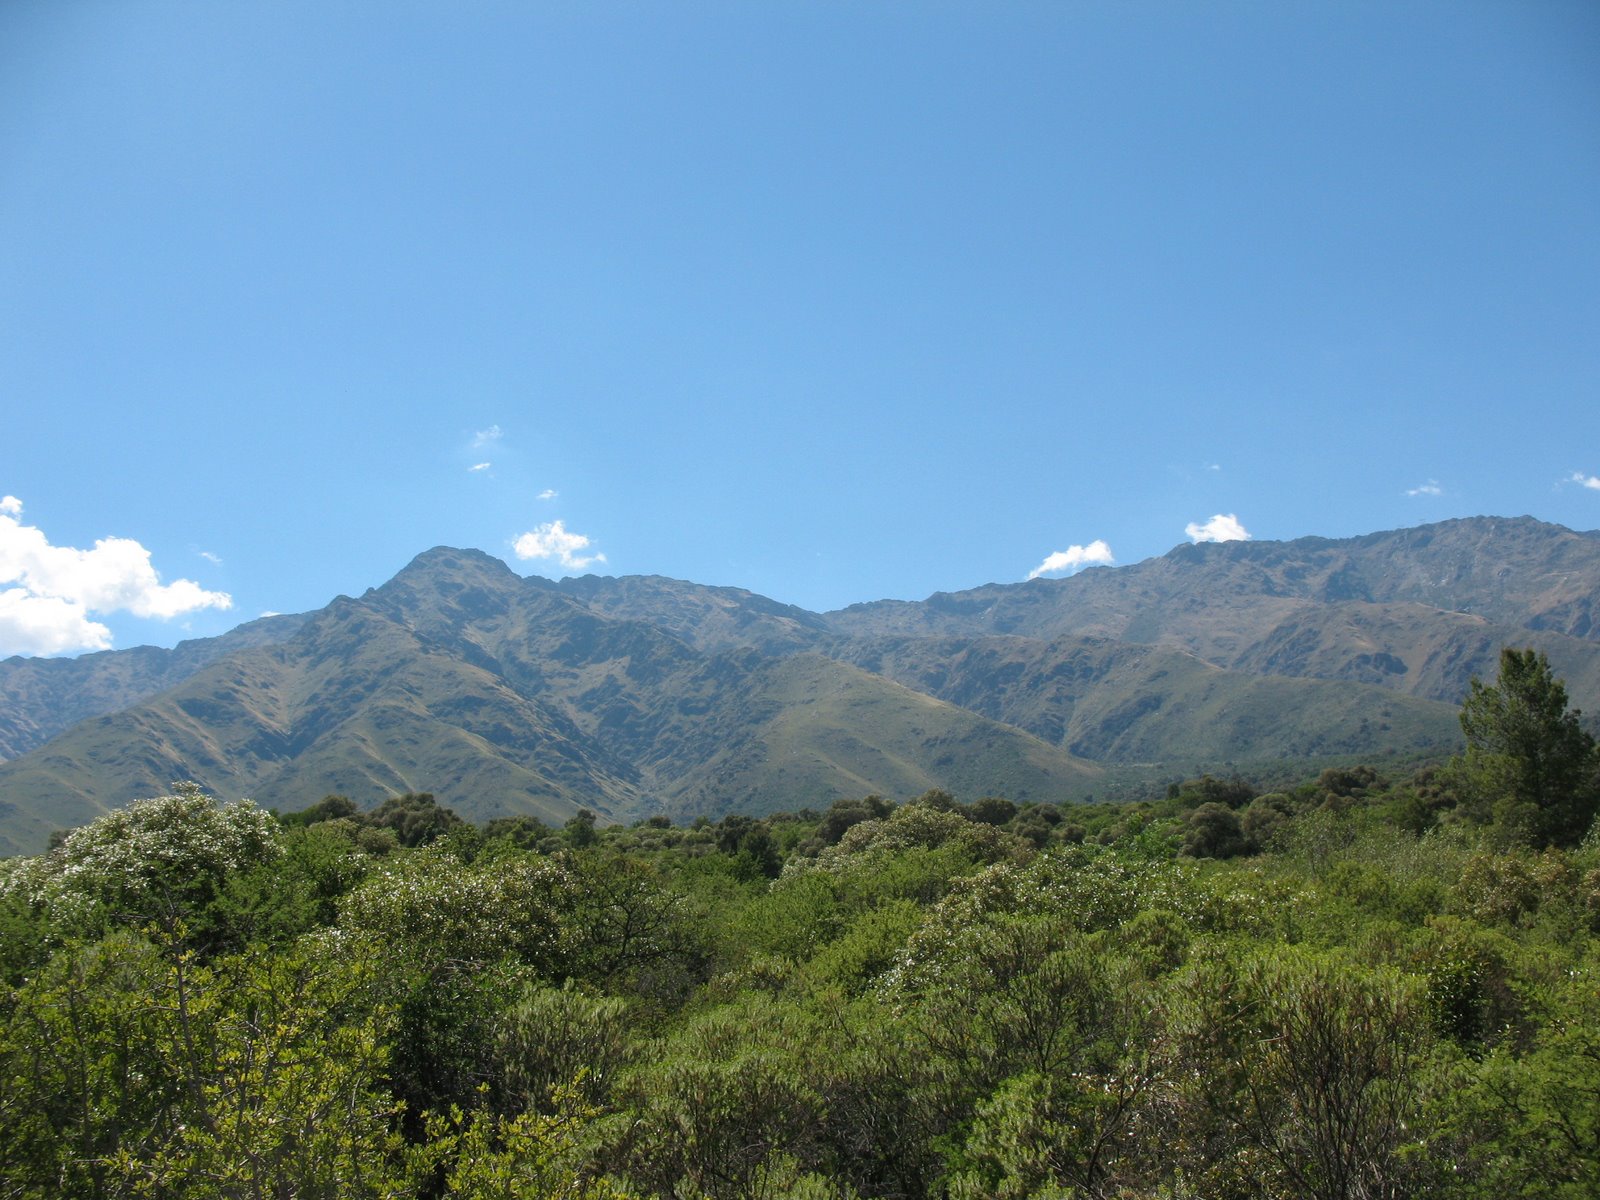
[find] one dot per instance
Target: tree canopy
(1365, 983)
(1529, 761)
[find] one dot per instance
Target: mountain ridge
(638, 694)
(1215, 598)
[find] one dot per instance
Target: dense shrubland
(1367, 985)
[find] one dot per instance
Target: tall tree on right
(1529, 766)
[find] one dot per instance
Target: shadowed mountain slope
(708, 618)
(1413, 649)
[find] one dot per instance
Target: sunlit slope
(1113, 702)
(41, 697)
(809, 730)
(355, 703)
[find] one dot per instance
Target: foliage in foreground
(1357, 987)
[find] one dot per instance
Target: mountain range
(637, 695)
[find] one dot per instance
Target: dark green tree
(579, 831)
(992, 810)
(1529, 765)
(330, 808)
(1213, 831)
(524, 832)
(842, 815)
(731, 831)
(758, 856)
(416, 818)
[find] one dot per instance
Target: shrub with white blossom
(156, 860)
(452, 914)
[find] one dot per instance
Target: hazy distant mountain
(41, 697)
(638, 695)
(1412, 649)
(1416, 610)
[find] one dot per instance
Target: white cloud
(549, 494)
(1221, 528)
(32, 624)
(214, 559)
(483, 466)
(1074, 557)
(1213, 466)
(551, 540)
(486, 437)
(1431, 488)
(52, 590)
(1578, 477)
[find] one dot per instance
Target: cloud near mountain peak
(1222, 527)
(1074, 558)
(554, 541)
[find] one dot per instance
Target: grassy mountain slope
(354, 703)
(827, 730)
(1114, 702)
(41, 697)
(503, 696)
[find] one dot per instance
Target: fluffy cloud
(50, 591)
(1578, 477)
(1074, 557)
(548, 494)
(551, 540)
(32, 624)
(483, 466)
(487, 437)
(1431, 488)
(1221, 528)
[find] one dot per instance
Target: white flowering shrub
(1083, 891)
(13, 871)
(911, 826)
(155, 860)
(447, 913)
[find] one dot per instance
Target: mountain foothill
(637, 696)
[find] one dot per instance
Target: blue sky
(830, 301)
